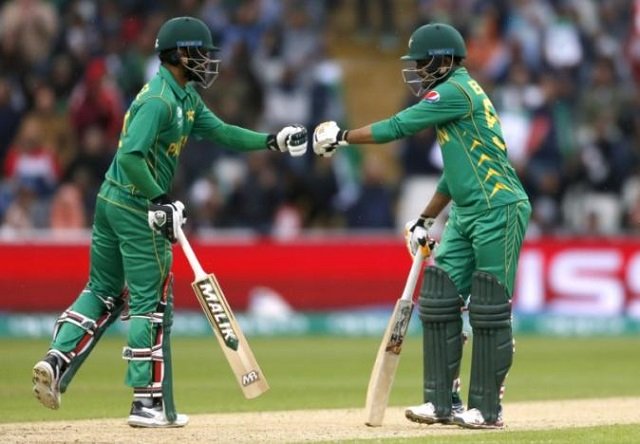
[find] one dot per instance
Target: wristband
(272, 142)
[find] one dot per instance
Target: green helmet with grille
(184, 32)
(433, 50)
(187, 41)
(435, 39)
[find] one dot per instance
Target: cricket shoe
(153, 417)
(426, 413)
(473, 419)
(46, 374)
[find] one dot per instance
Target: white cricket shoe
(45, 382)
(153, 417)
(473, 419)
(426, 413)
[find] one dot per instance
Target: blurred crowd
(564, 76)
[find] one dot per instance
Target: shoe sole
(466, 425)
(138, 422)
(424, 420)
(43, 386)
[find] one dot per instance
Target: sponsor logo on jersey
(432, 96)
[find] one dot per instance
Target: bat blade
(386, 364)
(228, 333)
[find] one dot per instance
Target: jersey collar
(455, 71)
(179, 91)
(458, 70)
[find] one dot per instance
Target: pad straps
(93, 330)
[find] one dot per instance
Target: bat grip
(414, 274)
(198, 271)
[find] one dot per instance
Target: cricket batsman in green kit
(136, 223)
(476, 261)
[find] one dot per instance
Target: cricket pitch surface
(298, 426)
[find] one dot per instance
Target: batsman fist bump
(327, 137)
(165, 217)
(291, 139)
(416, 234)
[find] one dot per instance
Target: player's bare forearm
(360, 136)
(435, 205)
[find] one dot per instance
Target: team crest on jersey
(432, 96)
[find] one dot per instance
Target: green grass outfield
(330, 372)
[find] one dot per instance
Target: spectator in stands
(384, 15)
(207, 202)
(19, 216)
(10, 113)
(544, 164)
(68, 204)
(63, 75)
(82, 34)
(374, 206)
(516, 99)
(27, 32)
(488, 51)
(57, 133)
(32, 163)
(322, 188)
(96, 100)
(599, 172)
(128, 49)
(90, 164)
(254, 199)
(563, 41)
(289, 53)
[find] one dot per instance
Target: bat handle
(191, 256)
(414, 274)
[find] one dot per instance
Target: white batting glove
(327, 137)
(291, 139)
(416, 234)
(166, 217)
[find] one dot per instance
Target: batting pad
(440, 312)
(490, 318)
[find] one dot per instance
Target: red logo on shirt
(432, 96)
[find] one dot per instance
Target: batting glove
(327, 137)
(165, 217)
(291, 139)
(416, 234)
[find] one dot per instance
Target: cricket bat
(225, 326)
(388, 357)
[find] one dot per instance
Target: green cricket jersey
(155, 130)
(477, 173)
